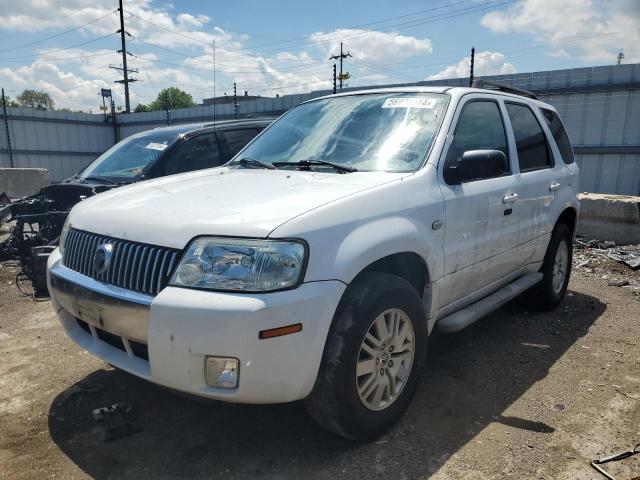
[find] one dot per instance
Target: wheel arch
(569, 217)
(409, 266)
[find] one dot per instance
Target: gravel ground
(520, 394)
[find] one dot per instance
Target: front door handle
(510, 197)
(553, 186)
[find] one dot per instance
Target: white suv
(317, 262)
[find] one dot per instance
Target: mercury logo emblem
(102, 258)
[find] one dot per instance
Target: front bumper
(166, 338)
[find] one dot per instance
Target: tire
(550, 291)
(337, 401)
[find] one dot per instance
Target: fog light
(221, 372)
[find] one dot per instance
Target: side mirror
(476, 165)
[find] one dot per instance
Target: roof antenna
(214, 84)
(473, 54)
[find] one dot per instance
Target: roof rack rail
(489, 85)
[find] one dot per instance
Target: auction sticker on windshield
(156, 146)
(409, 102)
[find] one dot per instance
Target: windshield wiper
(252, 162)
(309, 163)
(101, 179)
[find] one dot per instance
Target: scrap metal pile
(618, 264)
(37, 223)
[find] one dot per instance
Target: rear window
(531, 143)
(559, 135)
(236, 139)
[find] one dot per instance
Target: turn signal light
(280, 331)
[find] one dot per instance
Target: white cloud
(562, 53)
(293, 56)
(372, 45)
(306, 67)
(485, 63)
(192, 21)
(597, 29)
(66, 89)
(34, 15)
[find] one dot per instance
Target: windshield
(128, 158)
(390, 132)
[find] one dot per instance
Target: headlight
(242, 265)
(64, 234)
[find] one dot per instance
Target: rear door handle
(553, 186)
(509, 197)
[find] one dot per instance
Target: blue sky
(282, 47)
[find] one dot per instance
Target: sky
(279, 47)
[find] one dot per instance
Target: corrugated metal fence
(599, 105)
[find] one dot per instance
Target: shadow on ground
(473, 377)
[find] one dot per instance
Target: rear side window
(194, 154)
(236, 139)
(559, 135)
(479, 127)
(531, 144)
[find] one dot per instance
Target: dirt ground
(519, 395)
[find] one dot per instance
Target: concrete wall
(20, 182)
(610, 217)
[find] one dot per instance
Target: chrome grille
(134, 266)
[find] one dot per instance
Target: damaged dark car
(151, 154)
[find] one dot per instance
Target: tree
(36, 99)
(141, 107)
(9, 102)
(69, 110)
(171, 98)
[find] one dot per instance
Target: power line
(200, 59)
(209, 70)
(445, 5)
(24, 45)
(428, 19)
(54, 60)
(60, 49)
(416, 22)
(409, 24)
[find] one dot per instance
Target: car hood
(224, 201)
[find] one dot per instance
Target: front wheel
(373, 358)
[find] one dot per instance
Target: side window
(236, 139)
(194, 154)
(479, 127)
(559, 134)
(531, 143)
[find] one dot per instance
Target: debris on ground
(37, 221)
(5, 207)
(117, 421)
(618, 265)
(614, 458)
(81, 389)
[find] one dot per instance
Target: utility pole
(125, 71)
(235, 100)
(473, 54)
(334, 78)
(342, 76)
(620, 57)
(6, 126)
